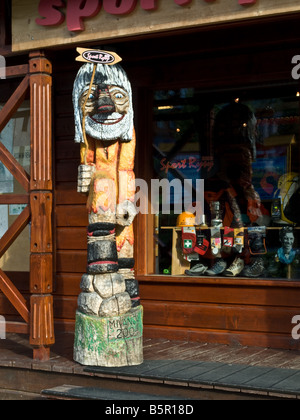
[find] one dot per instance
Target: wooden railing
(38, 312)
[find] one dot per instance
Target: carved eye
(119, 95)
(92, 95)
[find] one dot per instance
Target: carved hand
(85, 173)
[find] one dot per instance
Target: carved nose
(105, 104)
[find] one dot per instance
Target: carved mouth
(100, 119)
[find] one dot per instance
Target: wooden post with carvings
(41, 194)
(109, 319)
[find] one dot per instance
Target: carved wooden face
(105, 104)
(107, 112)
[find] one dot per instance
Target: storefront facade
(216, 100)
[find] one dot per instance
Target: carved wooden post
(109, 318)
(41, 260)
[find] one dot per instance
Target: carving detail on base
(109, 342)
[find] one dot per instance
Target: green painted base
(109, 342)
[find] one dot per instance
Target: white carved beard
(110, 131)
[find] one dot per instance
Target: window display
(246, 148)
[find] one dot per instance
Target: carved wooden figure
(109, 315)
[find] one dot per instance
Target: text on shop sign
(78, 10)
(190, 163)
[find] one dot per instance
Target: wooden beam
(14, 231)
(42, 321)
(16, 327)
(14, 296)
(14, 102)
(41, 353)
(41, 202)
(41, 222)
(41, 127)
(6, 51)
(14, 199)
(14, 167)
(16, 71)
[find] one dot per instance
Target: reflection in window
(16, 138)
(16, 258)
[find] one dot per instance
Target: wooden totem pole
(109, 317)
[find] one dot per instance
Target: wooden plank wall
(70, 213)
(237, 312)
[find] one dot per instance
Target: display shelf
(211, 227)
(179, 264)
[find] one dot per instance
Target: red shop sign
(77, 11)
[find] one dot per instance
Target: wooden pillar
(41, 195)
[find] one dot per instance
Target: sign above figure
(97, 56)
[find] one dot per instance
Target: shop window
(243, 219)
(16, 139)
